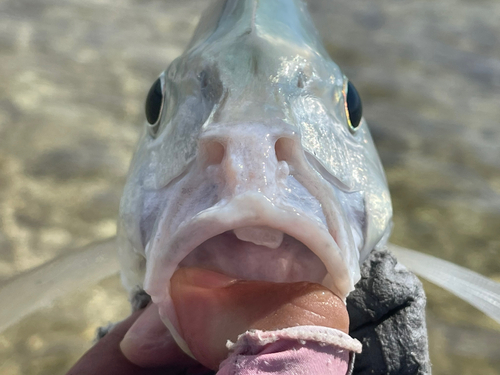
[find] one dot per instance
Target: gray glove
(387, 314)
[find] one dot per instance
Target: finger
(106, 358)
(213, 308)
(148, 343)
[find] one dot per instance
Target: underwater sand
(74, 76)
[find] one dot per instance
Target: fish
(255, 161)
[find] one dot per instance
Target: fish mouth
(289, 261)
(250, 238)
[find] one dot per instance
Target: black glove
(387, 314)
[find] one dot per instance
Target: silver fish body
(252, 168)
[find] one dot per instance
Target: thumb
(213, 308)
(148, 343)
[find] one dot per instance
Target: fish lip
(252, 208)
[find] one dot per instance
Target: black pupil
(153, 102)
(354, 105)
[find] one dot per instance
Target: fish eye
(354, 108)
(154, 106)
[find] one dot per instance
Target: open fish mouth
(289, 261)
(249, 238)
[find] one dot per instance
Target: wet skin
(142, 344)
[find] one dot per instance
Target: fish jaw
(246, 211)
(316, 251)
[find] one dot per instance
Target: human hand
(213, 308)
(160, 354)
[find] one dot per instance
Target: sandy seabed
(74, 75)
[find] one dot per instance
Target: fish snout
(249, 162)
(252, 166)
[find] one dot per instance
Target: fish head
(251, 163)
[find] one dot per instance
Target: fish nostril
(284, 149)
(214, 153)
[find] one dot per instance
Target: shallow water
(74, 78)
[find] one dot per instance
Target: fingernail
(203, 278)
